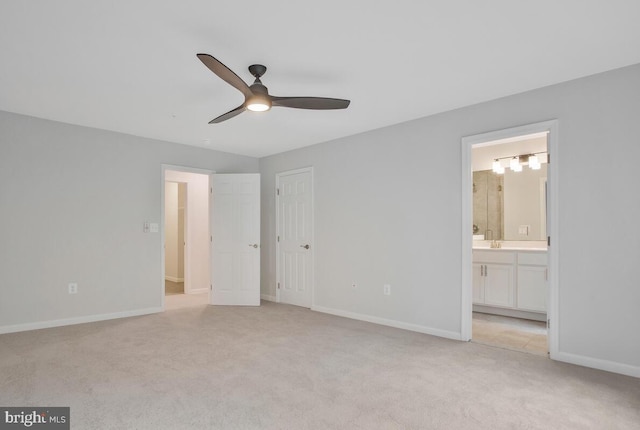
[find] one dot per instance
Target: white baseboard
(268, 297)
(515, 313)
(391, 323)
(596, 363)
(77, 320)
(173, 279)
(198, 291)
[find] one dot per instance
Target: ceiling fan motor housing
(257, 70)
(259, 101)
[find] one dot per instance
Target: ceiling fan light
(258, 106)
(259, 102)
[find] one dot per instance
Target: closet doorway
(175, 194)
(186, 223)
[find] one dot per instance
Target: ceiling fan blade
(228, 115)
(310, 102)
(225, 74)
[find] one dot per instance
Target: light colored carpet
(510, 333)
(284, 367)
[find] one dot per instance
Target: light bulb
(515, 165)
(496, 166)
(534, 163)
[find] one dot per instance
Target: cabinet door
(532, 288)
(478, 284)
(498, 287)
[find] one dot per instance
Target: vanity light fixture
(516, 161)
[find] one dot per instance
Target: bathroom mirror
(510, 206)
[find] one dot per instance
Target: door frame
(186, 169)
(466, 302)
(308, 169)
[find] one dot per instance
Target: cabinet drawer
(532, 258)
(504, 257)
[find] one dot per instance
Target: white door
(235, 228)
(295, 242)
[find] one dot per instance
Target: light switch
(524, 229)
(153, 227)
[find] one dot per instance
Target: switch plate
(73, 288)
(524, 229)
(387, 289)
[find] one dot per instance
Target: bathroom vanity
(510, 281)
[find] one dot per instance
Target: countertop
(509, 248)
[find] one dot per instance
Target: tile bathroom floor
(510, 333)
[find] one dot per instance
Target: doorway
(294, 242)
(509, 276)
(174, 237)
(185, 222)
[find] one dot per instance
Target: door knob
(254, 245)
(304, 246)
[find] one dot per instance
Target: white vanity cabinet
(532, 281)
(510, 280)
(493, 278)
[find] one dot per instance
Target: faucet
(496, 244)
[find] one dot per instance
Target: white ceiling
(131, 66)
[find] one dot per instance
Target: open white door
(235, 250)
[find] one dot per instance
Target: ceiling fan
(256, 96)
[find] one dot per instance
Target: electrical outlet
(73, 288)
(387, 289)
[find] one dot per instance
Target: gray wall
(72, 205)
(388, 210)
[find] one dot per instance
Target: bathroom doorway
(508, 284)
